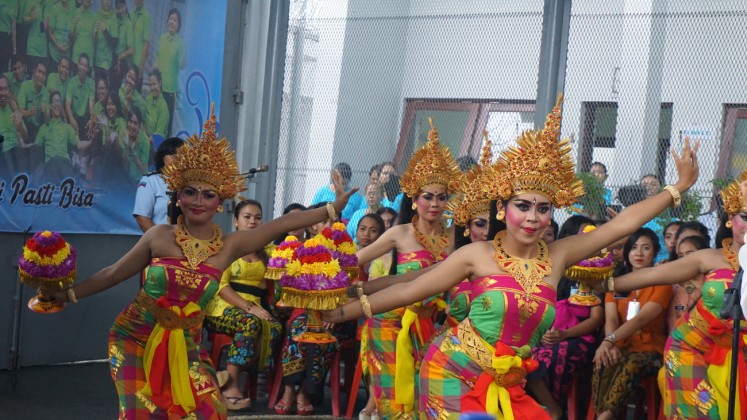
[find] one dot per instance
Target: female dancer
(480, 364)
(471, 215)
(156, 358)
(635, 330)
(240, 309)
(697, 355)
(391, 341)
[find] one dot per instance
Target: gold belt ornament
(473, 345)
(167, 318)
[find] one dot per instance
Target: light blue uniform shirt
(151, 199)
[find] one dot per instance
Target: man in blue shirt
(327, 192)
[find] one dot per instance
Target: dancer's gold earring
(500, 215)
(178, 203)
(466, 232)
(729, 224)
(220, 209)
(414, 206)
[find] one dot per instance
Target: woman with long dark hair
(635, 332)
(395, 338)
(241, 310)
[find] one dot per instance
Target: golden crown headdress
(540, 163)
(732, 195)
(476, 189)
(207, 160)
(433, 163)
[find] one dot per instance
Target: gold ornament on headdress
(732, 195)
(207, 160)
(431, 164)
(540, 163)
(476, 188)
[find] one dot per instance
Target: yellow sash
(178, 363)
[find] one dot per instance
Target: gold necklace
(197, 250)
(729, 255)
(527, 272)
(435, 244)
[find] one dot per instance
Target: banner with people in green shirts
(89, 91)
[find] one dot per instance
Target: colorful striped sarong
(171, 280)
(452, 379)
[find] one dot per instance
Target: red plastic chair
(219, 342)
(353, 387)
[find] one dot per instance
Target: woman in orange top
(635, 329)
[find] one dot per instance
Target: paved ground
(85, 391)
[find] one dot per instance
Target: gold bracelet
(366, 307)
(675, 195)
(71, 295)
(331, 211)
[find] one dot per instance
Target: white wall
(701, 69)
(685, 52)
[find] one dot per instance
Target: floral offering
(342, 247)
(589, 271)
(47, 262)
(280, 257)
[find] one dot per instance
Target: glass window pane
(450, 125)
(738, 159)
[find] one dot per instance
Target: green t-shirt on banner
(28, 97)
(79, 95)
(107, 21)
(170, 54)
(158, 116)
(32, 13)
(55, 83)
(61, 24)
(140, 33)
(8, 13)
(8, 129)
(56, 136)
(83, 23)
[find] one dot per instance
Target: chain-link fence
(362, 78)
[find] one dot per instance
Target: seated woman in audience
(305, 365)
(635, 333)
(370, 227)
(569, 344)
(240, 309)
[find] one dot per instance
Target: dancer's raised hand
(687, 165)
(341, 196)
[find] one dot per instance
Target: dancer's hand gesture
(687, 165)
(341, 196)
